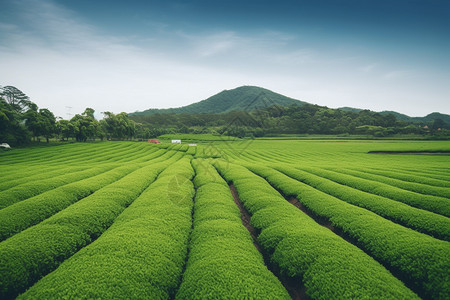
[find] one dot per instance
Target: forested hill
(402, 117)
(244, 98)
(252, 98)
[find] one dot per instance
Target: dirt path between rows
(294, 286)
(245, 217)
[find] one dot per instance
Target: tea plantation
(226, 219)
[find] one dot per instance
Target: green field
(226, 219)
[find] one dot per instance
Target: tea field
(226, 219)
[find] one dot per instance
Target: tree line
(305, 119)
(21, 121)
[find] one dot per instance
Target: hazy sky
(134, 55)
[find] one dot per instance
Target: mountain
(244, 98)
(249, 98)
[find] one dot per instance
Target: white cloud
(61, 62)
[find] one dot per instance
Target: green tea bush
(192, 150)
(207, 175)
(423, 261)
(410, 186)
(223, 262)
(36, 187)
(155, 153)
(141, 256)
(31, 254)
(29, 212)
(428, 173)
(23, 175)
(329, 267)
(421, 220)
(434, 204)
(405, 176)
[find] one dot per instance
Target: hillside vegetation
(250, 111)
(244, 98)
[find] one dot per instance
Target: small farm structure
(176, 141)
(154, 141)
(5, 146)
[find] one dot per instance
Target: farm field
(226, 219)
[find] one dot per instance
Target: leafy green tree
(13, 103)
(89, 112)
(32, 120)
(40, 123)
(85, 126)
(15, 98)
(65, 129)
(12, 129)
(47, 123)
(118, 126)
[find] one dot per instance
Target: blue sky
(134, 55)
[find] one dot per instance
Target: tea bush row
(407, 176)
(435, 204)
(26, 213)
(421, 220)
(36, 187)
(142, 255)
(31, 254)
(420, 260)
(25, 175)
(223, 262)
(410, 186)
(329, 267)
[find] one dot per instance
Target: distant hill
(434, 116)
(398, 116)
(250, 98)
(244, 98)
(350, 109)
(402, 117)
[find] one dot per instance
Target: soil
(245, 217)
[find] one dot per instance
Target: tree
(85, 125)
(65, 129)
(32, 121)
(118, 126)
(15, 98)
(40, 123)
(47, 123)
(13, 105)
(89, 112)
(12, 129)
